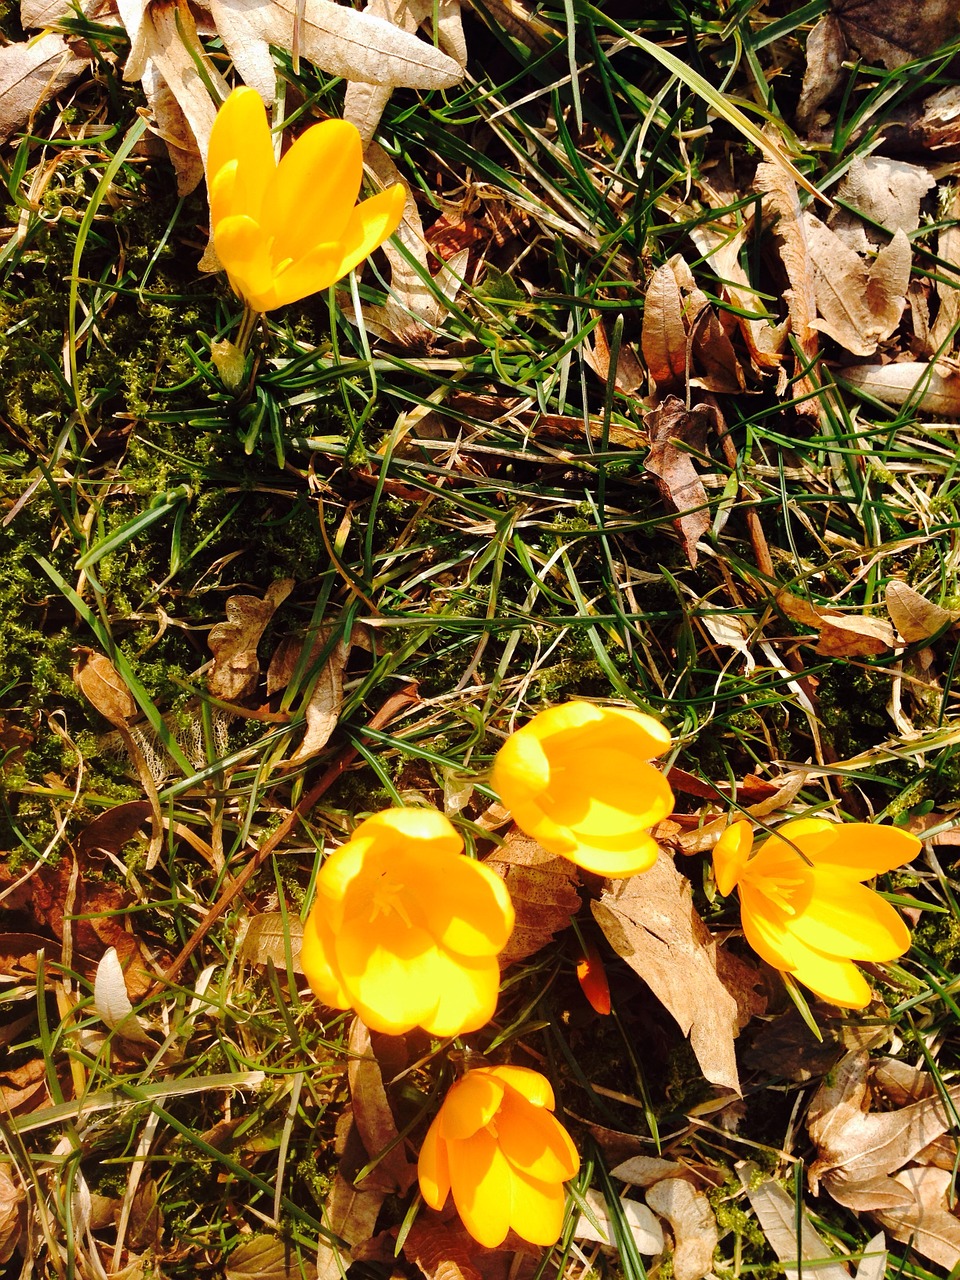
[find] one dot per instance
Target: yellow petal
(470, 1105)
(835, 980)
(536, 1210)
(466, 989)
(866, 849)
(433, 1170)
(317, 269)
(319, 964)
(240, 132)
(389, 972)
(241, 247)
(607, 795)
(466, 906)
(520, 766)
(315, 189)
(639, 855)
(534, 1141)
(849, 920)
(730, 856)
(371, 222)
(536, 1088)
(480, 1179)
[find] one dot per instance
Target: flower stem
(248, 323)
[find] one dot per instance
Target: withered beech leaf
(638, 1217)
(692, 1222)
(102, 685)
(671, 427)
(881, 190)
(777, 1214)
(896, 31)
(842, 635)
(267, 936)
(651, 922)
(234, 642)
(323, 709)
(373, 1116)
(544, 892)
(442, 1251)
(31, 71)
(663, 337)
(930, 388)
(826, 50)
(781, 199)
(915, 617)
(113, 828)
(350, 1214)
(13, 1219)
(924, 1220)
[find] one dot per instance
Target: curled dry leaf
(806, 1253)
(268, 1258)
(663, 336)
(781, 199)
(842, 635)
(442, 1251)
(113, 1005)
(544, 892)
(112, 829)
(826, 51)
(671, 427)
(31, 71)
(692, 1222)
(101, 684)
(884, 191)
(651, 922)
(640, 1221)
(925, 1221)
(915, 617)
(323, 707)
(234, 642)
(350, 1214)
(721, 246)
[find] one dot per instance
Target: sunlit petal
(319, 963)
(466, 989)
(640, 856)
(241, 248)
(433, 1170)
(536, 1211)
(470, 1105)
(866, 849)
(849, 920)
(469, 910)
(389, 972)
(316, 188)
(730, 856)
(480, 1178)
(534, 1141)
(241, 134)
(536, 1088)
(370, 223)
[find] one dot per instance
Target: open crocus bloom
(285, 231)
(495, 1144)
(576, 781)
(812, 918)
(405, 929)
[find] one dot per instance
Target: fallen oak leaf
(651, 922)
(842, 635)
(234, 642)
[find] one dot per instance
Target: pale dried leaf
(374, 1118)
(351, 1215)
(30, 73)
(780, 198)
(826, 51)
(915, 617)
(267, 1258)
(543, 888)
(112, 1003)
(777, 1214)
(926, 1222)
(644, 1171)
(671, 427)
(173, 129)
(266, 939)
(323, 709)
(663, 337)
(948, 287)
(234, 642)
(630, 376)
(102, 685)
(881, 190)
(731, 630)
(692, 1222)
(721, 247)
(873, 1263)
(643, 1226)
(13, 1218)
(242, 35)
(842, 635)
(441, 1251)
(650, 921)
(930, 390)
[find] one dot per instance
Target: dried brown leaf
(13, 1218)
(651, 922)
(948, 248)
(630, 376)
(881, 190)
(826, 51)
(721, 246)
(234, 642)
(639, 1219)
(692, 1222)
(781, 199)
(102, 685)
(267, 1258)
(112, 829)
(442, 1251)
(173, 129)
(31, 71)
(925, 1220)
(932, 388)
(113, 1005)
(351, 1215)
(859, 305)
(915, 617)
(896, 31)
(663, 336)
(778, 1214)
(374, 1118)
(543, 888)
(266, 938)
(842, 635)
(671, 427)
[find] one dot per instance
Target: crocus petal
(466, 990)
(535, 1087)
(315, 188)
(613, 795)
(370, 223)
(639, 856)
(316, 270)
(468, 909)
(389, 971)
(240, 133)
(433, 1170)
(480, 1178)
(536, 1210)
(837, 980)
(849, 920)
(470, 1105)
(730, 856)
(534, 1141)
(864, 849)
(241, 248)
(520, 766)
(319, 965)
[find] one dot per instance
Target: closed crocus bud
(285, 231)
(576, 780)
(803, 904)
(405, 929)
(497, 1147)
